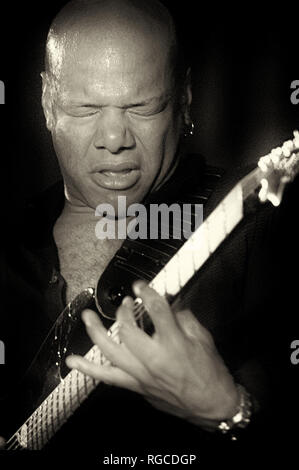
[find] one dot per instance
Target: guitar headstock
(280, 167)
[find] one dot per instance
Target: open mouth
(112, 173)
(117, 179)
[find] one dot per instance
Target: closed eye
(146, 111)
(81, 113)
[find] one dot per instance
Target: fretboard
(55, 410)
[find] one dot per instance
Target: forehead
(120, 66)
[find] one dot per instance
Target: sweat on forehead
(95, 25)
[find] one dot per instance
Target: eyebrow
(146, 102)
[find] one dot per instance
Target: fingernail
(71, 362)
(138, 286)
(127, 301)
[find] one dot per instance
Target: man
(119, 95)
(116, 98)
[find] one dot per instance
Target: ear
(187, 98)
(47, 100)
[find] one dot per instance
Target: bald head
(111, 96)
(110, 26)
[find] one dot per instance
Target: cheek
(71, 142)
(158, 140)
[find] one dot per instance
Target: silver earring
(189, 130)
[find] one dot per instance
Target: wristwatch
(242, 418)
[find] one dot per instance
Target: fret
(38, 433)
(52, 413)
(43, 425)
(78, 385)
(62, 397)
(82, 387)
(30, 426)
(49, 418)
(29, 423)
(35, 434)
(37, 430)
(56, 402)
(75, 386)
(40, 427)
(69, 380)
(32, 435)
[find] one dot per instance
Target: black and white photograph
(149, 268)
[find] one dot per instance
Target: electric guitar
(63, 390)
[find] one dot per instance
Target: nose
(113, 132)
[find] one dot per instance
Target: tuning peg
(263, 194)
(275, 155)
(287, 148)
(272, 190)
(264, 163)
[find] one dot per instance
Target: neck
(72, 209)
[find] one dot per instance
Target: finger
(108, 374)
(118, 354)
(192, 328)
(98, 334)
(139, 344)
(158, 309)
(125, 313)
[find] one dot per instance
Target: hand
(178, 369)
(2, 443)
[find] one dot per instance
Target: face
(114, 120)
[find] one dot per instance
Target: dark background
(243, 63)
